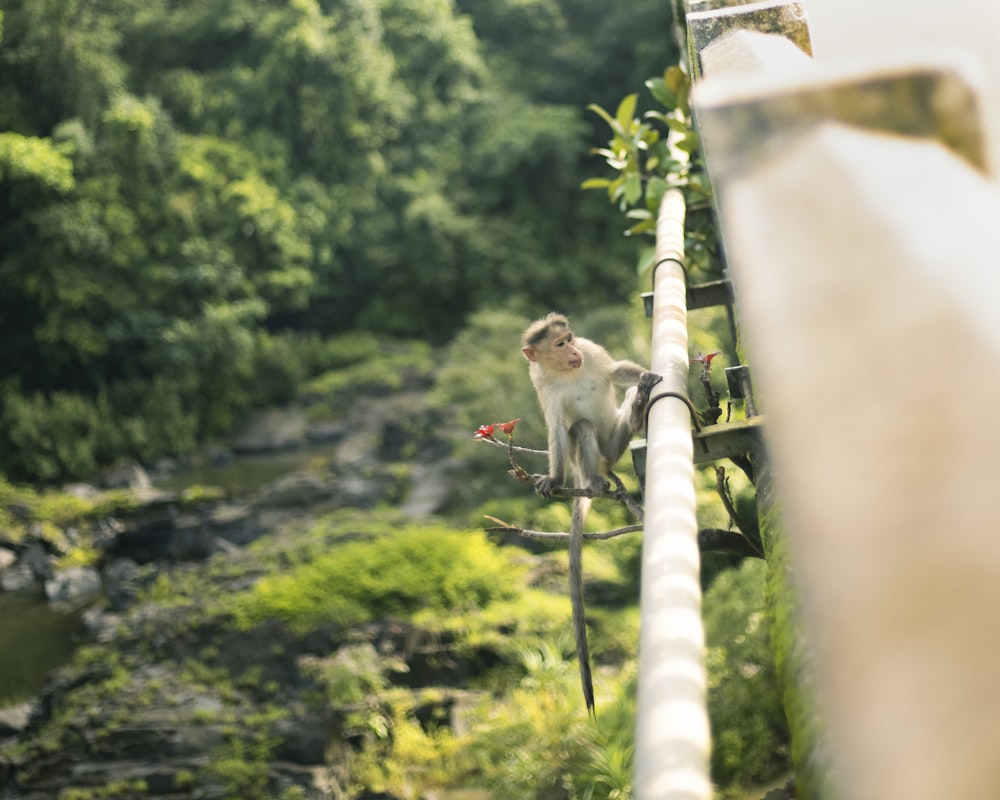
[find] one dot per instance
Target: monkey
(588, 432)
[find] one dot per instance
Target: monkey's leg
(630, 417)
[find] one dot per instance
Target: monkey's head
(549, 343)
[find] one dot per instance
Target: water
(245, 473)
(34, 640)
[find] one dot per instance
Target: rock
(304, 737)
(73, 588)
(37, 558)
(14, 719)
(127, 474)
(32, 566)
(235, 523)
(83, 491)
(7, 557)
(432, 486)
(172, 536)
(18, 578)
(301, 489)
(100, 624)
(326, 432)
(358, 492)
(121, 583)
(268, 431)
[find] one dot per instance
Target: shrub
(397, 575)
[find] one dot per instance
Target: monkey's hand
(646, 383)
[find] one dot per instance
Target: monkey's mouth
(576, 364)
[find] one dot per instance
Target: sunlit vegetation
(212, 207)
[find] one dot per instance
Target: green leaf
(646, 226)
(655, 189)
(678, 125)
(626, 111)
(678, 82)
(661, 93)
(633, 188)
(596, 183)
(601, 113)
(645, 262)
(674, 78)
(689, 143)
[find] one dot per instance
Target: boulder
(14, 719)
(17, 578)
(299, 489)
(271, 430)
(73, 588)
(126, 474)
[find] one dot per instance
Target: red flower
(508, 427)
(706, 360)
(484, 432)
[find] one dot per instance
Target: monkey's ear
(530, 353)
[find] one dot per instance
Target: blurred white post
(672, 733)
(862, 230)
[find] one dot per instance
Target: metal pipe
(672, 741)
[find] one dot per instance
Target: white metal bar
(672, 731)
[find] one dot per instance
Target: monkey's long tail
(580, 508)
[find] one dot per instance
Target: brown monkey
(588, 431)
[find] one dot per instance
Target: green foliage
(112, 789)
(536, 741)
(396, 575)
(652, 154)
(184, 184)
(382, 375)
(28, 157)
(750, 735)
(242, 767)
(352, 674)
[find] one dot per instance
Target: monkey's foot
(545, 485)
(599, 484)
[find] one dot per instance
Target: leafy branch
(651, 154)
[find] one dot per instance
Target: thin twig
(507, 527)
(722, 487)
(514, 448)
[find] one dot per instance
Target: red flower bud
(484, 432)
(508, 427)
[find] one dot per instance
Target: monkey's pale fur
(588, 431)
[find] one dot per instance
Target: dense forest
(209, 207)
(196, 196)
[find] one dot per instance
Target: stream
(34, 639)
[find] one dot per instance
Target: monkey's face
(557, 352)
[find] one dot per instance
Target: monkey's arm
(626, 373)
(558, 456)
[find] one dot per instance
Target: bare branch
(722, 487)
(507, 527)
(715, 540)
